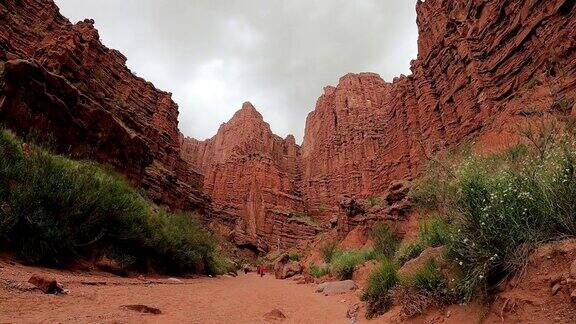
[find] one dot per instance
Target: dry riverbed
(103, 298)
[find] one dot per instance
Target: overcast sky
(278, 54)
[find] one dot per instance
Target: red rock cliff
(59, 79)
(253, 178)
(483, 69)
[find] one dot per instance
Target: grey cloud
(279, 54)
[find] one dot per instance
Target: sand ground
(99, 298)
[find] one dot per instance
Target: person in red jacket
(261, 270)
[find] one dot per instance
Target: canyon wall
(484, 69)
(253, 178)
(59, 81)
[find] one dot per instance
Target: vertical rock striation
(253, 179)
(59, 79)
(484, 68)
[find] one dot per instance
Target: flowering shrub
(501, 207)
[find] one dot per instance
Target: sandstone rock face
(253, 178)
(360, 214)
(60, 81)
(285, 268)
(483, 68)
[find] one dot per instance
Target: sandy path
(244, 299)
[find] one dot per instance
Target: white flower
(481, 277)
(460, 263)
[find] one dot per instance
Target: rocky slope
(59, 81)
(253, 178)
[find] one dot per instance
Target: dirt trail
(244, 299)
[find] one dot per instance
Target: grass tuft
(319, 271)
(385, 241)
(377, 292)
(295, 256)
(328, 251)
(407, 252)
(434, 232)
(374, 201)
(345, 262)
(428, 278)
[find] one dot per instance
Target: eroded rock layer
(484, 68)
(58, 80)
(253, 177)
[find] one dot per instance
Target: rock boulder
(286, 268)
(336, 287)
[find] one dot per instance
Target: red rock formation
(483, 69)
(59, 79)
(252, 176)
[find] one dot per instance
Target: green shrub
(318, 271)
(328, 251)
(385, 242)
(220, 265)
(180, 244)
(53, 210)
(295, 256)
(376, 294)
(502, 206)
(304, 218)
(428, 278)
(434, 232)
(371, 254)
(374, 201)
(408, 252)
(344, 262)
(432, 192)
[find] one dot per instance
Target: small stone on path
(336, 287)
(143, 309)
(175, 280)
(47, 286)
(275, 315)
(557, 287)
